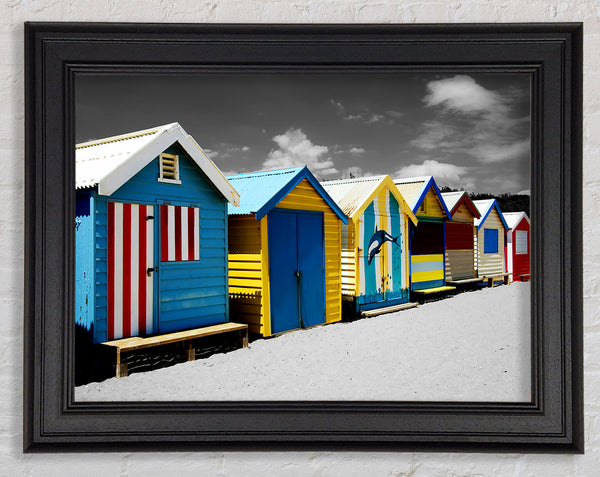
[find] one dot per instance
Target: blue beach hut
(284, 252)
(151, 235)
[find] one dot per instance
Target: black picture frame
(551, 53)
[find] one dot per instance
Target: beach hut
(518, 245)
(427, 238)
(151, 235)
(489, 241)
(460, 253)
(375, 255)
(284, 252)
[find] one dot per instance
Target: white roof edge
(407, 180)
(518, 216)
(170, 134)
(134, 134)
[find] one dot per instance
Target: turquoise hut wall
(383, 213)
(84, 260)
(374, 246)
(190, 293)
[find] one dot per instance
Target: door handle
(149, 270)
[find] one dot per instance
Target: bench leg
(191, 352)
(121, 368)
(244, 338)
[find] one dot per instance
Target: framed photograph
(484, 108)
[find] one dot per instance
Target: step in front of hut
(387, 309)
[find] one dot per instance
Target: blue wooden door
(296, 270)
(311, 264)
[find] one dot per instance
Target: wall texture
(12, 15)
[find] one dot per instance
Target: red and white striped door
(130, 257)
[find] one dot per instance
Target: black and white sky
(470, 131)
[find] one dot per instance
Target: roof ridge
(273, 172)
(123, 137)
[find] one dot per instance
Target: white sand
(473, 346)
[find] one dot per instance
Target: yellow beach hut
(375, 254)
(284, 252)
(427, 238)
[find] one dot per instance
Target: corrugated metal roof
(350, 194)
(513, 218)
(109, 163)
(414, 190)
(257, 188)
(452, 198)
(95, 159)
(263, 190)
(411, 189)
(354, 195)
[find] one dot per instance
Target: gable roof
(414, 190)
(262, 191)
(514, 218)
(485, 206)
(109, 163)
(354, 195)
(455, 199)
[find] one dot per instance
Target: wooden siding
(246, 277)
(433, 208)
(463, 215)
(204, 301)
(305, 197)
(349, 259)
(521, 263)
(460, 264)
(84, 261)
(490, 263)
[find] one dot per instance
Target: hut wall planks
(247, 268)
(490, 263)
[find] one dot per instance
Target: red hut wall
(521, 261)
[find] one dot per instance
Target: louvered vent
(169, 168)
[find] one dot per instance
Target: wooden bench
(136, 342)
(492, 278)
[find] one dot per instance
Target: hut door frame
(128, 277)
(288, 286)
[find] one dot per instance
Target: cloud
(374, 118)
(356, 150)
(210, 153)
(488, 153)
(365, 115)
(473, 122)
(444, 174)
(337, 105)
(394, 114)
(245, 148)
(436, 135)
(461, 93)
(295, 149)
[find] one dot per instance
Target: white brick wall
(13, 463)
